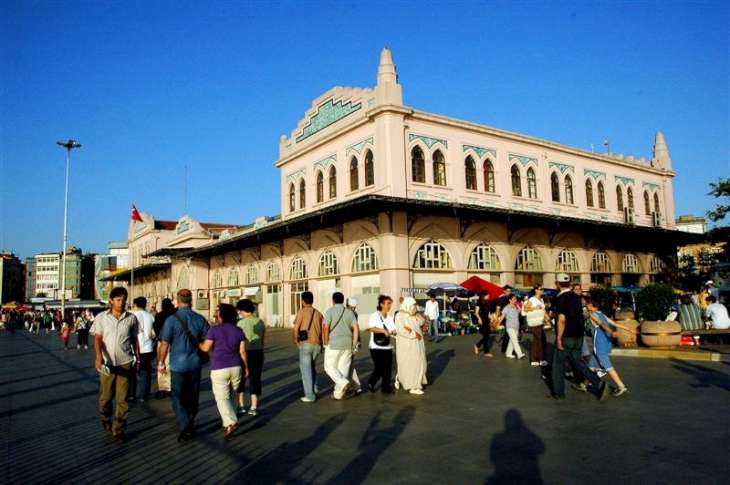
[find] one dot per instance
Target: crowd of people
(181, 341)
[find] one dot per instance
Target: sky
(150, 88)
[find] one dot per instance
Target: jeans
(225, 382)
(114, 386)
(255, 369)
(82, 337)
(572, 352)
(484, 341)
(145, 374)
(185, 395)
(308, 354)
(514, 343)
(383, 362)
(434, 327)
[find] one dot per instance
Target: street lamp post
(68, 145)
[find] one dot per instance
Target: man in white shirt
(432, 313)
(146, 338)
(717, 314)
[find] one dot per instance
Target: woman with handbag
(536, 318)
(382, 330)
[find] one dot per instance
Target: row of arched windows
(331, 177)
(630, 200)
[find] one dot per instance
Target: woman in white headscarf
(410, 350)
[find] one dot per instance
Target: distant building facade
(105, 265)
(693, 224)
(378, 197)
(79, 274)
(30, 289)
(12, 278)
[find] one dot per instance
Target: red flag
(135, 215)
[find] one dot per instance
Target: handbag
(204, 357)
(303, 335)
(381, 339)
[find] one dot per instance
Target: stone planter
(627, 339)
(661, 334)
(625, 314)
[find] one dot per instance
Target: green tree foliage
(604, 298)
(655, 301)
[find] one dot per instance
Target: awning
(251, 291)
(139, 271)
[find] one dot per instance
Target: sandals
(229, 430)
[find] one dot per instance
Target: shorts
(601, 361)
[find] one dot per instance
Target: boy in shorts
(603, 328)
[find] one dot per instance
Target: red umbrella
(476, 284)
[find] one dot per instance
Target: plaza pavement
(671, 428)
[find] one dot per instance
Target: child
(65, 334)
(602, 333)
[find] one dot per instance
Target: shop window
(295, 301)
(432, 255)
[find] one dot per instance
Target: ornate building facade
(378, 197)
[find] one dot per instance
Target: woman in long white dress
(410, 350)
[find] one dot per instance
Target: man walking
(146, 338)
(307, 334)
(569, 342)
(181, 336)
(117, 351)
(432, 313)
(340, 336)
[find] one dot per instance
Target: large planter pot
(627, 339)
(661, 334)
(625, 314)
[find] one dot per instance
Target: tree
(720, 234)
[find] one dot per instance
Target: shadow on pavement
(705, 376)
(438, 360)
(515, 453)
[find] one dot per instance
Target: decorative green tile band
(427, 140)
(523, 159)
(594, 173)
(326, 162)
(327, 113)
(357, 147)
(480, 151)
(562, 167)
(624, 180)
(293, 176)
(651, 185)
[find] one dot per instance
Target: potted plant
(606, 299)
(654, 303)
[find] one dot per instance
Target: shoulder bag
(380, 339)
(303, 335)
(204, 357)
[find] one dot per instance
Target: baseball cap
(562, 278)
(351, 302)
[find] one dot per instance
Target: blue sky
(149, 87)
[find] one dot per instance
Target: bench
(707, 332)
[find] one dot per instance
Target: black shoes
(107, 425)
(602, 391)
(120, 438)
(184, 436)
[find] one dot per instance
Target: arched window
(364, 259)
(488, 176)
(328, 264)
(601, 196)
(217, 279)
(233, 277)
(656, 264)
(528, 259)
(589, 193)
(567, 262)
(531, 184)
(630, 198)
(470, 173)
(630, 264)
(432, 255)
(516, 182)
(333, 182)
(484, 258)
(569, 190)
(439, 168)
(647, 204)
(298, 269)
(292, 198)
(320, 186)
(555, 187)
(418, 165)
(600, 263)
(619, 199)
(354, 175)
(656, 203)
(302, 194)
(273, 273)
(369, 169)
(252, 274)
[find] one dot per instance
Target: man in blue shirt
(182, 333)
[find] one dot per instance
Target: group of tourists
(338, 333)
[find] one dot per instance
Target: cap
(351, 302)
(709, 282)
(562, 278)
